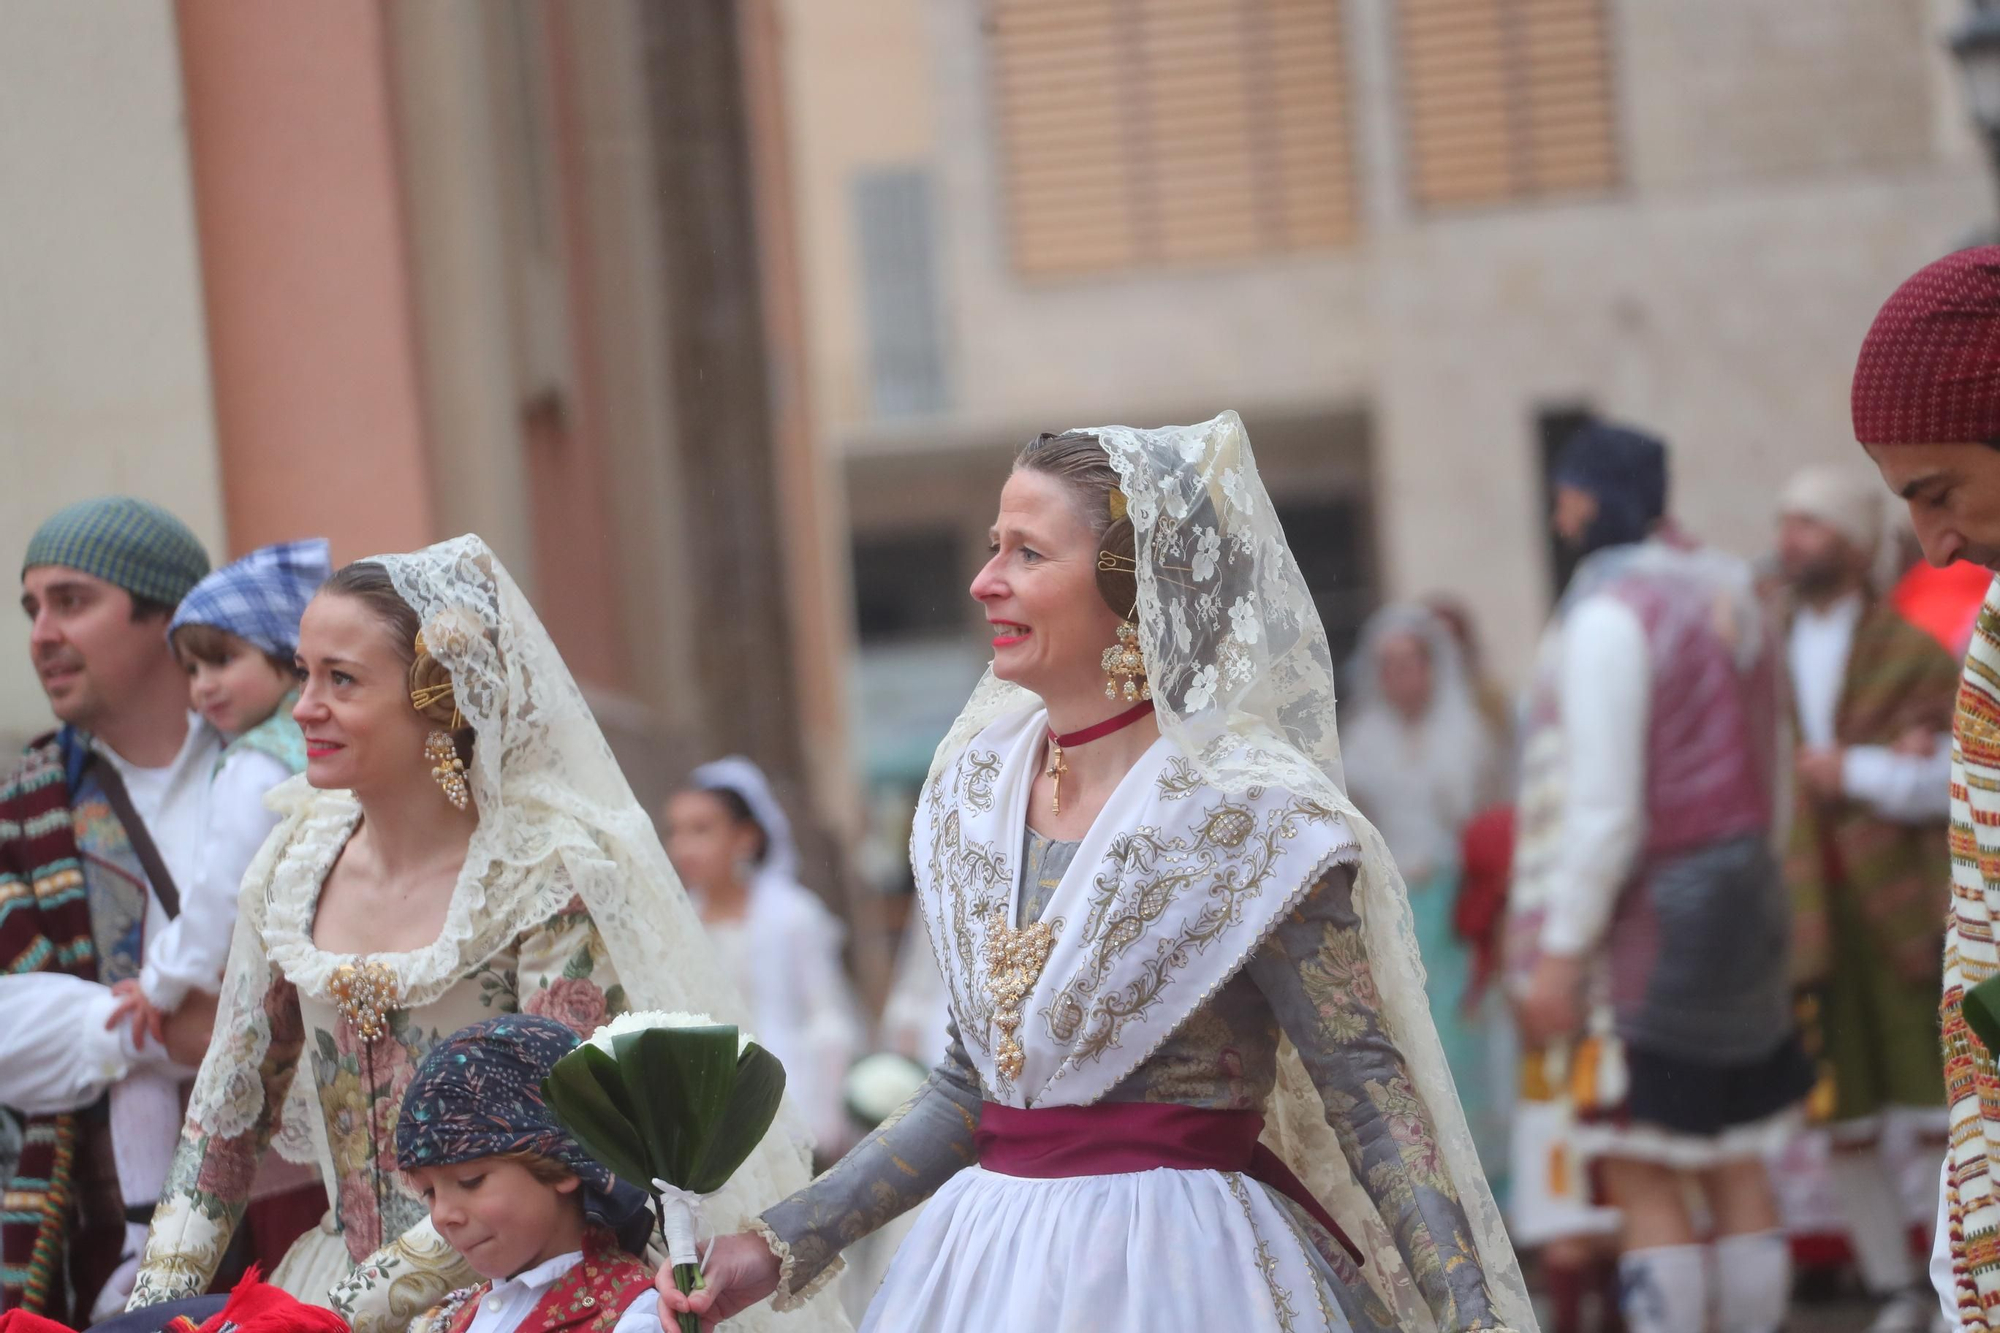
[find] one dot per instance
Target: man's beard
(1818, 579)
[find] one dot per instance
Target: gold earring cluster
(440, 750)
(1123, 662)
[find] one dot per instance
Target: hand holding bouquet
(675, 1100)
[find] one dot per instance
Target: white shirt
(188, 953)
(508, 1303)
(1604, 697)
(1817, 652)
(1906, 789)
(1943, 1284)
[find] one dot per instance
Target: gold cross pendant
(1057, 767)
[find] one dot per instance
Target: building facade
(391, 272)
(1411, 241)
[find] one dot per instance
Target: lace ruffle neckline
(323, 821)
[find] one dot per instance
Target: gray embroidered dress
(1309, 979)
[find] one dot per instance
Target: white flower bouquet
(679, 1101)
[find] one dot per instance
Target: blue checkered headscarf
(260, 597)
(479, 1094)
(130, 544)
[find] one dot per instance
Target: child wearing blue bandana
(556, 1237)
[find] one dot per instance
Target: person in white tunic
(732, 844)
(1193, 1081)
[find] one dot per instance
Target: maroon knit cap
(1930, 367)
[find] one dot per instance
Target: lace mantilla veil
(550, 795)
(1242, 678)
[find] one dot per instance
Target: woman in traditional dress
(1165, 931)
(732, 844)
(461, 844)
(1421, 763)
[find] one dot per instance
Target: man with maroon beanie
(1927, 407)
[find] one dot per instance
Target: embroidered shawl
(1169, 894)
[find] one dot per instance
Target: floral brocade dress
(340, 1036)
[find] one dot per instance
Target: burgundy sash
(1113, 1138)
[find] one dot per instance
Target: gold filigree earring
(441, 752)
(1124, 662)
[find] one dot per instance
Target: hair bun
(431, 691)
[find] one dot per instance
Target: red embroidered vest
(589, 1298)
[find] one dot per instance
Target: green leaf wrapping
(587, 1095)
(754, 1096)
(678, 1082)
(676, 1104)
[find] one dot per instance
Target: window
(907, 585)
(1506, 100)
(1553, 428)
(892, 213)
(1329, 538)
(1136, 133)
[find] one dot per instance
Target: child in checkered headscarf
(235, 634)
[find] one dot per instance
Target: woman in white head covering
(732, 844)
(1193, 1082)
(461, 844)
(1421, 763)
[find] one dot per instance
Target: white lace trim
(490, 905)
(784, 1300)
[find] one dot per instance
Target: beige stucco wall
(859, 94)
(1786, 163)
(104, 381)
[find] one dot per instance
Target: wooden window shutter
(1506, 100)
(1156, 132)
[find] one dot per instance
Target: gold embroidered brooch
(364, 993)
(1014, 962)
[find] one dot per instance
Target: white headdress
(1242, 679)
(739, 775)
(1849, 500)
(1423, 780)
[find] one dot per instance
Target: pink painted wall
(305, 274)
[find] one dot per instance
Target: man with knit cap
(97, 821)
(1872, 699)
(1927, 407)
(1649, 925)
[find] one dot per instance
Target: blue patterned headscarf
(130, 544)
(479, 1094)
(260, 597)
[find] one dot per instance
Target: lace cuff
(785, 1299)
